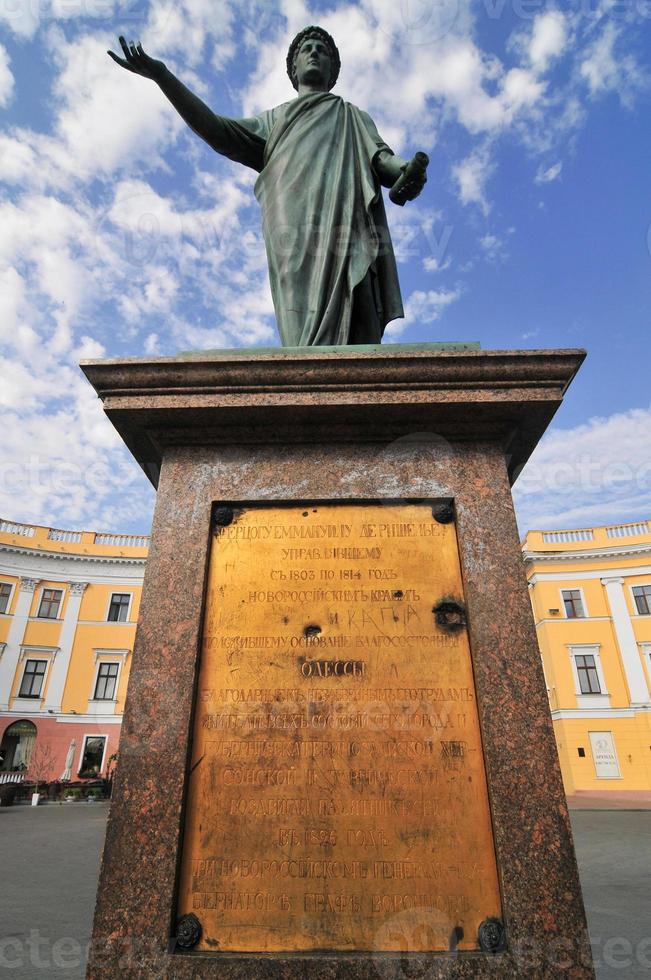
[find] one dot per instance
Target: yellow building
(68, 608)
(591, 596)
(69, 603)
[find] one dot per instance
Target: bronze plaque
(337, 797)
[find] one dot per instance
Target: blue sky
(122, 234)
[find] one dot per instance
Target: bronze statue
(321, 162)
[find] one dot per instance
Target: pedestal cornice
(330, 396)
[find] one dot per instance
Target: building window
(573, 603)
(119, 608)
(17, 746)
(642, 596)
(5, 595)
(92, 756)
(106, 682)
(32, 682)
(581, 752)
(50, 602)
(586, 669)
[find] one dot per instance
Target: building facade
(591, 596)
(69, 604)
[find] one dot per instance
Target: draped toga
(331, 263)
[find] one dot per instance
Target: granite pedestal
(402, 427)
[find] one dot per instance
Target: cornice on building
(73, 569)
(598, 554)
(71, 556)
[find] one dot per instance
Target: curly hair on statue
(294, 48)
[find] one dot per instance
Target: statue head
(313, 34)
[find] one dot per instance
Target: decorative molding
(27, 706)
(28, 584)
(107, 652)
(601, 554)
(583, 646)
(576, 619)
(29, 649)
(105, 622)
(64, 718)
(578, 576)
(100, 708)
(63, 557)
(592, 702)
(604, 714)
(90, 720)
(78, 588)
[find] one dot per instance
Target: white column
(11, 654)
(59, 668)
(637, 685)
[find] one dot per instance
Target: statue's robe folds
(331, 262)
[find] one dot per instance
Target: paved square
(49, 864)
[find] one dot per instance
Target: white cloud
(493, 247)
(607, 70)
(66, 466)
(440, 74)
(89, 349)
(548, 175)
(472, 175)
(594, 473)
(109, 118)
(431, 263)
(548, 39)
(423, 306)
(520, 88)
(151, 344)
(6, 77)
(186, 27)
(12, 299)
(19, 163)
(21, 17)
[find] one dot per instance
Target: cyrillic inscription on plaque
(337, 778)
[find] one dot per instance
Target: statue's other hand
(414, 185)
(411, 181)
(137, 61)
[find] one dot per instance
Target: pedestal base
(434, 440)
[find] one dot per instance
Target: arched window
(17, 746)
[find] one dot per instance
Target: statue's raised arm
(221, 133)
(137, 61)
(321, 163)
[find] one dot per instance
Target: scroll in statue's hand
(412, 180)
(137, 61)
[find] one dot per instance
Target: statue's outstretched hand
(137, 61)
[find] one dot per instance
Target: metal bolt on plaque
(188, 931)
(223, 516)
(443, 513)
(450, 615)
(491, 936)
